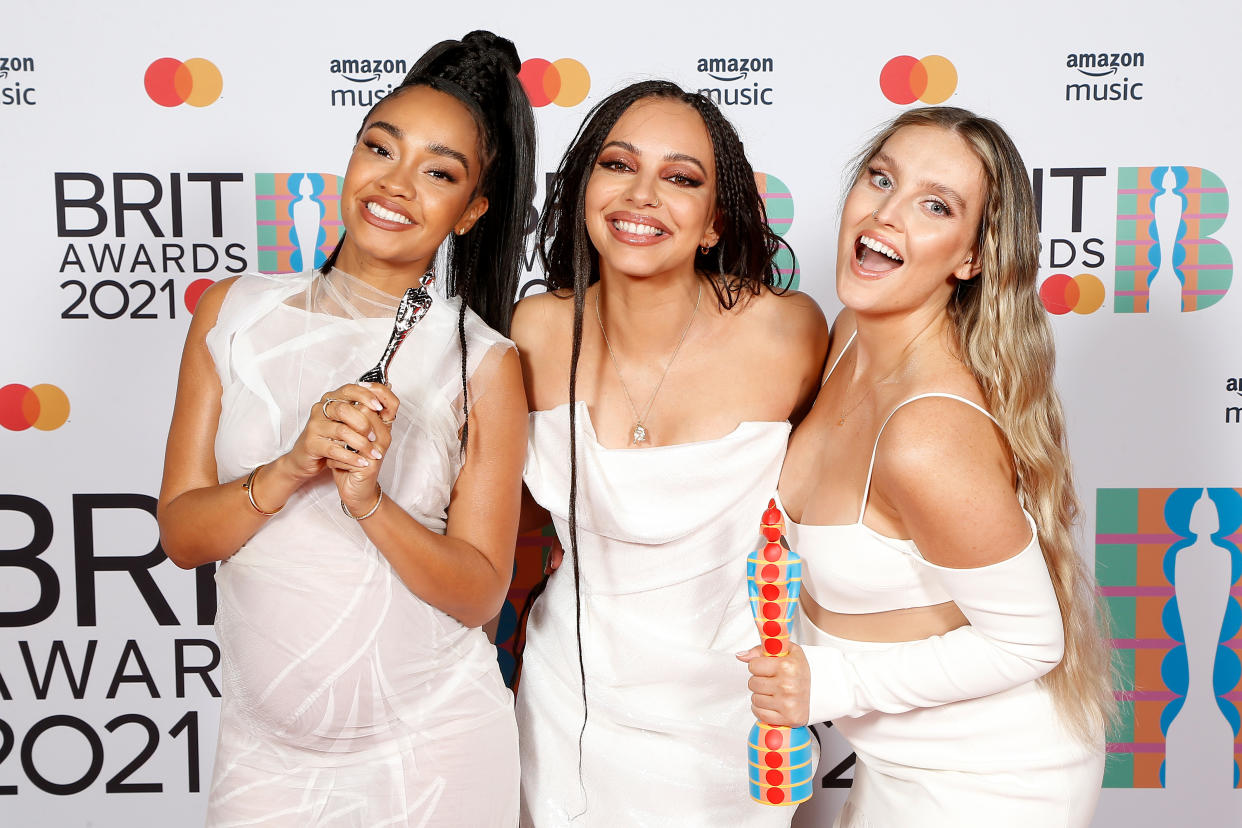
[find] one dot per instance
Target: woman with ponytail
(662, 370)
(950, 628)
(367, 531)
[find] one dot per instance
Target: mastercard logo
(932, 80)
(1082, 294)
(196, 82)
(565, 82)
(45, 407)
(195, 292)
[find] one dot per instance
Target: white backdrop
(118, 207)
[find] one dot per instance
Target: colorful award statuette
(781, 767)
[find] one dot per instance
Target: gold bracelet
(249, 487)
(374, 508)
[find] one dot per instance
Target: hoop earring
(704, 249)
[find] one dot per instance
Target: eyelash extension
(376, 146)
(613, 164)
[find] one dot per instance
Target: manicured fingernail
(376, 453)
(742, 653)
(376, 405)
(371, 437)
(365, 384)
(362, 461)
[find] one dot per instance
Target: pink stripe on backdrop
(1137, 191)
(279, 247)
(1204, 215)
(1135, 590)
(778, 195)
(1135, 747)
(1145, 695)
(291, 197)
(1203, 190)
(1135, 537)
(1144, 643)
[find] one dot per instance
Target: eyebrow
(948, 193)
(436, 149)
(671, 156)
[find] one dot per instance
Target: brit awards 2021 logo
(297, 218)
(1169, 569)
(779, 205)
(1165, 259)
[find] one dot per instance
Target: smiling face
(910, 223)
(650, 200)
(410, 182)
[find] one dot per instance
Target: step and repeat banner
(150, 149)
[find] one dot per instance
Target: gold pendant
(639, 435)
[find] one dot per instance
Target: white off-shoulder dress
(956, 730)
(663, 535)
(348, 700)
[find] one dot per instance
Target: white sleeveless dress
(347, 700)
(663, 535)
(952, 731)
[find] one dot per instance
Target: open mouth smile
(384, 214)
(874, 256)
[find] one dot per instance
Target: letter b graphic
(1165, 219)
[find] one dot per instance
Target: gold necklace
(870, 390)
(638, 434)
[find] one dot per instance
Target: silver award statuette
(413, 307)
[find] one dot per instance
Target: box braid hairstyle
(741, 263)
(481, 71)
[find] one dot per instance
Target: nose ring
(875, 214)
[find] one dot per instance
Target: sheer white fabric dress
(663, 534)
(347, 700)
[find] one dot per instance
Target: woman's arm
(466, 571)
(202, 520)
(944, 473)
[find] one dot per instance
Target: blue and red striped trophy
(781, 759)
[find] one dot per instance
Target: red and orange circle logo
(905, 79)
(1081, 294)
(565, 82)
(45, 407)
(196, 82)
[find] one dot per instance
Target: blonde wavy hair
(1005, 340)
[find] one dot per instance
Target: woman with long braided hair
(367, 533)
(663, 369)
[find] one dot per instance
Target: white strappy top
(853, 569)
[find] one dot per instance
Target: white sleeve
(1015, 635)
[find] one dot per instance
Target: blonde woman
(947, 620)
